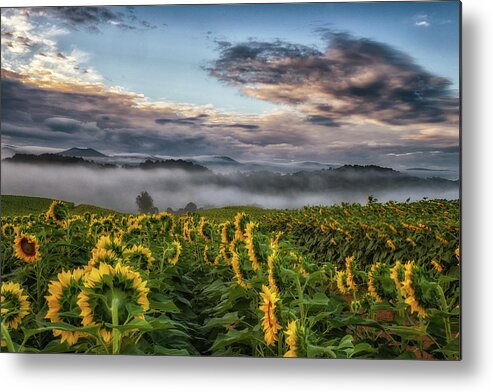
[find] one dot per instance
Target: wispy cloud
(422, 20)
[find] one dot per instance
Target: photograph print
(255, 180)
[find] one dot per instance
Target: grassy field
(25, 205)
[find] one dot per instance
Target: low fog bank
(118, 188)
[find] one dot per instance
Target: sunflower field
(347, 281)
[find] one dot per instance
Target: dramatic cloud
(354, 79)
(93, 18)
(29, 47)
(358, 101)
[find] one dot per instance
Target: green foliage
(204, 291)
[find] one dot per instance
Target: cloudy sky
(357, 83)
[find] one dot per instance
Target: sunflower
(341, 281)
(139, 256)
(26, 247)
(96, 227)
(177, 248)
(204, 229)
(227, 232)
(135, 229)
(102, 256)
(349, 273)
(291, 340)
(62, 303)
(57, 212)
(165, 218)
(187, 231)
(252, 244)
(14, 304)
(436, 265)
(235, 264)
(269, 319)
(206, 255)
(371, 282)
(240, 222)
(408, 289)
(111, 243)
(106, 287)
(9, 230)
(410, 240)
(390, 244)
(397, 275)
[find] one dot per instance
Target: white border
(473, 373)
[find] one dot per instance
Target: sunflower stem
(300, 298)
(7, 338)
(114, 321)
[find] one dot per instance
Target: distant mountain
(57, 160)
(425, 169)
(82, 152)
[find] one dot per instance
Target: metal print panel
(264, 180)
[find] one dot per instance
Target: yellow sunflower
(269, 320)
(177, 251)
(62, 303)
(436, 265)
(107, 287)
(371, 282)
(240, 222)
(14, 304)
(349, 273)
(252, 245)
(341, 282)
(9, 230)
(102, 256)
(26, 247)
(112, 243)
(57, 212)
(235, 264)
(204, 229)
(408, 290)
(291, 340)
(139, 256)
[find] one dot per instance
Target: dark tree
(190, 207)
(145, 203)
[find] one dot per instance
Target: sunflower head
(108, 286)
(165, 219)
(62, 303)
(240, 222)
(58, 212)
(252, 244)
(139, 257)
(111, 243)
(96, 227)
(381, 286)
(102, 256)
(205, 229)
(26, 247)
(14, 304)
(9, 230)
(291, 333)
(269, 319)
(174, 254)
(227, 232)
